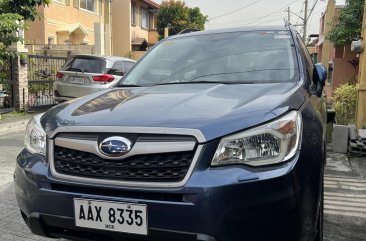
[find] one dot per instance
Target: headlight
(35, 136)
(272, 143)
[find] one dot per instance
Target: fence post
(20, 75)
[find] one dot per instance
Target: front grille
(162, 167)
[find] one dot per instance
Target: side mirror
(319, 78)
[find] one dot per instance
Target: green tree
(196, 18)
(348, 25)
(13, 14)
(178, 17)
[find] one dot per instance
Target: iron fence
(41, 75)
(7, 95)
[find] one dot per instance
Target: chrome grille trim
(138, 148)
(122, 129)
(142, 148)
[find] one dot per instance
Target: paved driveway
(12, 226)
(345, 198)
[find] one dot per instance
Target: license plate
(76, 80)
(111, 216)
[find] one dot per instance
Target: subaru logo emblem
(115, 146)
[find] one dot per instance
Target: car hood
(214, 109)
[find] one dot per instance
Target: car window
(238, 57)
(117, 69)
(84, 64)
(128, 65)
(120, 67)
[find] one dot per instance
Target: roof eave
(151, 4)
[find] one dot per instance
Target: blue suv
(213, 136)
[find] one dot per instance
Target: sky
(259, 12)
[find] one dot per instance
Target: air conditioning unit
(357, 46)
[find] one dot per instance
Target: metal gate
(41, 75)
(7, 94)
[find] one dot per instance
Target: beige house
(133, 27)
(71, 22)
(341, 62)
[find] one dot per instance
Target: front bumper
(219, 204)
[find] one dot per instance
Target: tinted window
(117, 69)
(239, 57)
(120, 68)
(128, 66)
(88, 65)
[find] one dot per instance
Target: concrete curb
(13, 126)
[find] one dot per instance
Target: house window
(144, 18)
(88, 5)
(152, 21)
(133, 14)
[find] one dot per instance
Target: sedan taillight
(103, 78)
(59, 75)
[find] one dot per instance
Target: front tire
(319, 225)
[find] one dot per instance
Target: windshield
(239, 57)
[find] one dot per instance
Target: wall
(35, 31)
(343, 71)
(121, 24)
(59, 50)
(123, 32)
(327, 47)
(58, 17)
(361, 86)
(153, 37)
(138, 32)
(311, 50)
(136, 55)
